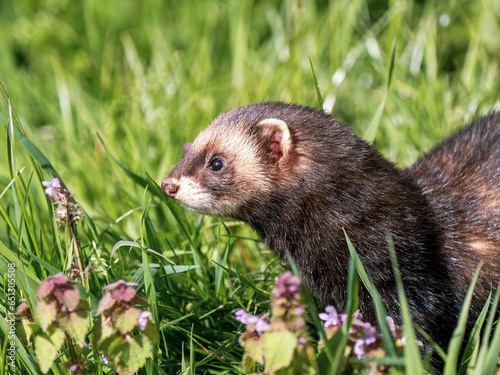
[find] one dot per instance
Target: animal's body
(299, 178)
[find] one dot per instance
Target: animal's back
(461, 180)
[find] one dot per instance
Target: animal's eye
(216, 165)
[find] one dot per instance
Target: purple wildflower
(187, 146)
(143, 319)
(330, 317)
(53, 188)
(73, 368)
(262, 326)
(119, 293)
(287, 285)
(242, 316)
(67, 211)
(370, 334)
(253, 323)
(359, 348)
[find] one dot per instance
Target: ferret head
(235, 162)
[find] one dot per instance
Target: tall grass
(106, 94)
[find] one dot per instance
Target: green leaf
(46, 312)
(170, 270)
(138, 274)
(279, 347)
(111, 348)
(254, 347)
(129, 355)
(46, 347)
(76, 323)
(135, 244)
(102, 331)
(70, 298)
(151, 332)
(125, 319)
(248, 364)
(23, 356)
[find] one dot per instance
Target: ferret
(300, 179)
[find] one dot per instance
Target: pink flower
(187, 146)
(143, 319)
(62, 289)
(331, 318)
(287, 285)
(253, 323)
(242, 316)
(118, 293)
(53, 188)
(370, 334)
(359, 348)
(262, 326)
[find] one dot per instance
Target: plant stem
(77, 253)
(71, 348)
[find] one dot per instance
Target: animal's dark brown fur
(443, 213)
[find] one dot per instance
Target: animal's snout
(169, 189)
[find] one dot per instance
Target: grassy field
(108, 92)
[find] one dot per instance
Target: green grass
(96, 82)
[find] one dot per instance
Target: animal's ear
(275, 137)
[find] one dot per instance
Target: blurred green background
(149, 75)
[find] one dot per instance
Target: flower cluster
(255, 325)
(288, 304)
(282, 343)
(364, 341)
(124, 333)
(68, 212)
(60, 312)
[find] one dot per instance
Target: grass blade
(473, 338)
(318, 92)
(455, 344)
(220, 262)
(370, 133)
(489, 352)
(380, 310)
(411, 352)
(34, 151)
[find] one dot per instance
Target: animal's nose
(169, 189)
